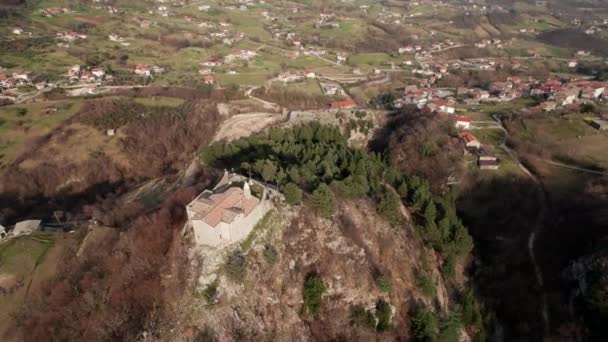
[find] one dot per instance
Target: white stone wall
(239, 229)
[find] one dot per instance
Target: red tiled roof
(467, 137)
(223, 207)
(343, 104)
(142, 67)
(463, 119)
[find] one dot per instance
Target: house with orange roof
(209, 79)
(346, 104)
(469, 140)
(226, 214)
(463, 122)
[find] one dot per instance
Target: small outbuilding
(26, 227)
(599, 124)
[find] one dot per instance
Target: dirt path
(267, 104)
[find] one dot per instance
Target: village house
(463, 122)
(226, 214)
(115, 38)
(469, 140)
(21, 75)
(346, 104)
(548, 106)
(143, 70)
(53, 11)
(98, 72)
(26, 227)
(406, 49)
(331, 89)
(87, 76)
(209, 79)
(441, 106)
(70, 36)
(242, 55)
(205, 71)
(213, 62)
(591, 90)
(487, 159)
(287, 77)
(567, 96)
(9, 96)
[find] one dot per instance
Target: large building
(228, 213)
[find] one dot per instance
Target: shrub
(313, 293)
(449, 328)
(384, 283)
(293, 194)
(470, 309)
(21, 111)
(270, 254)
(236, 267)
(206, 335)
(426, 284)
(362, 318)
(425, 326)
(210, 291)
(383, 313)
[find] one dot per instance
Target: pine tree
(269, 170)
(323, 200)
(389, 207)
(430, 212)
(402, 190)
(293, 194)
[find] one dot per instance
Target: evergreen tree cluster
(318, 160)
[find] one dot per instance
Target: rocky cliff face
(349, 252)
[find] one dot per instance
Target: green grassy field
(21, 123)
(371, 59)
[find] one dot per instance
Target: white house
(143, 70)
(289, 77)
(332, 89)
(463, 122)
(227, 214)
(310, 74)
(444, 107)
(21, 75)
(98, 72)
(469, 140)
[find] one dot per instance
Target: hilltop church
(228, 213)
